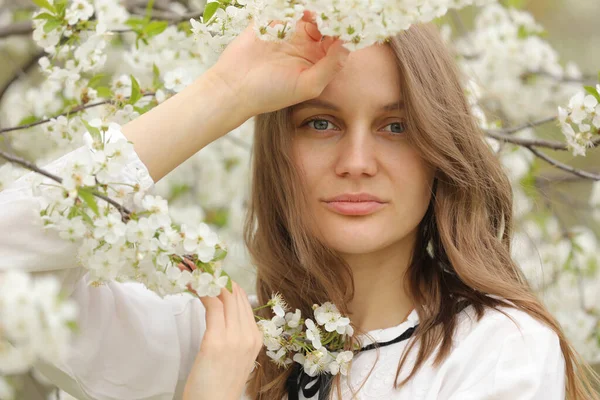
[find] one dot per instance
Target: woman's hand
(267, 76)
(228, 349)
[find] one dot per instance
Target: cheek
(411, 179)
(310, 163)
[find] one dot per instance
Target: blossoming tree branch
(93, 65)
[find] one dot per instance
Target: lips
(355, 204)
(355, 197)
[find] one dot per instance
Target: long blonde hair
(463, 246)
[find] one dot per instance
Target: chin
(360, 247)
(354, 241)
(362, 235)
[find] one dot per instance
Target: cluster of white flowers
(517, 73)
(36, 322)
(359, 23)
(317, 347)
(580, 121)
(145, 244)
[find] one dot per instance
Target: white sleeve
(500, 361)
(131, 344)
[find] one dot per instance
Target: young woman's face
(357, 143)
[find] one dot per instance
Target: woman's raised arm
(251, 77)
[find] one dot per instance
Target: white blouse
(134, 345)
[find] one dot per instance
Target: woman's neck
(380, 300)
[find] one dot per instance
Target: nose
(356, 154)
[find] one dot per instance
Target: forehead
(370, 76)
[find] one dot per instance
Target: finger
(241, 307)
(215, 317)
(310, 27)
(312, 31)
(309, 16)
(188, 264)
(326, 43)
(320, 74)
(230, 308)
(246, 308)
(252, 327)
(189, 287)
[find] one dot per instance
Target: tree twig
(585, 79)
(21, 72)
(533, 124)
(16, 29)
(76, 109)
(564, 167)
(548, 144)
(32, 167)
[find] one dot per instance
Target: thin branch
(548, 144)
(16, 29)
(32, 167)
(510, 131)
(21, 72)
(76, 109)
(556, 178)
(564, 167)
(585, 79)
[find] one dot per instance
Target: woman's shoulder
(503, 333)
(501, 321)
(501, 354)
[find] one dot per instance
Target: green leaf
(155, 27)
(156, 77)
(89, 199)
(135, 91)
(61, 6)
(592, 90)
(87, 218)
(28, 120)
(209, 10)
(104, 92)
(51, 25)
(44, 16)
(95, 132)
(220, 254)
(44, 4)
(135, 23)
(96, 80)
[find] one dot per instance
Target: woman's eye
(319, 124)
(399, 127)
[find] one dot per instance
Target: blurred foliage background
(572, 30)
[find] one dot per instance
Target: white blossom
(341, 363)
(313, 333)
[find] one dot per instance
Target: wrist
(227, 92)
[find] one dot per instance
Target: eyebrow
(317, 103)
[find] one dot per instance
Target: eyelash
(325, 119)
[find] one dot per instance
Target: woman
(373, 189)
